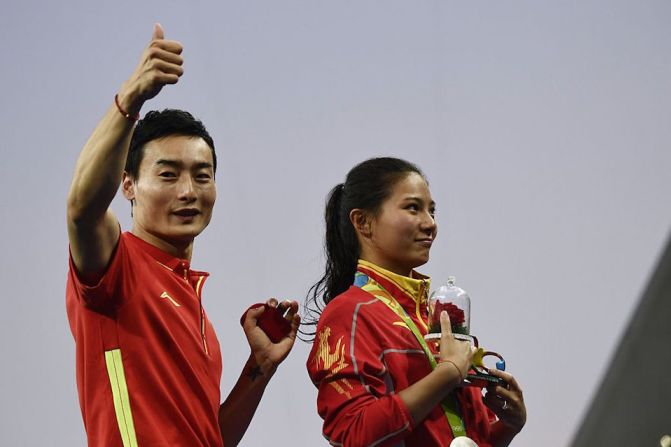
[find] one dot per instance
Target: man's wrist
(129, 102)
(258, 371)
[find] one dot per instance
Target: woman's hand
(452, 351)
(269, 355)
(507, 403)
(454, 361)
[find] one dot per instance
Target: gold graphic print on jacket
(333, 361)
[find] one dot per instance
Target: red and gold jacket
(148, 360)
(364, 354)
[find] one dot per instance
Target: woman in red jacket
(378, 383)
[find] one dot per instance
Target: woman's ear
(361, 221)
(128, 186)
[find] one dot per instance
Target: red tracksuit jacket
(364, 354)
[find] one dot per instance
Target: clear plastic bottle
(457, 303)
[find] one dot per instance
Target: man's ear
(361, 221)
(128, 186)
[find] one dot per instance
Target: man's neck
(177, 248)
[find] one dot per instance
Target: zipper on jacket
(202, 329)
(203, 337)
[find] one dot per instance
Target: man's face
(175, 191)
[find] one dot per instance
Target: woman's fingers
(445, 325)
(507, 402)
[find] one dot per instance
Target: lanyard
(449, 404)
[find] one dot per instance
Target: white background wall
(543, 128)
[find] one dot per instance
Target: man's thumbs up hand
(160, 64)
(158, 32)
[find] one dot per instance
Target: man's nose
(186, 189)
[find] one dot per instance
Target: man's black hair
(155, 125)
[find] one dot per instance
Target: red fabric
(170, 353)
(361, 359)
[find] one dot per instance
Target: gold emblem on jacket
(332, 360)
(328, 359)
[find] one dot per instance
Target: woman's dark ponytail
(342, 246)
(342, 253)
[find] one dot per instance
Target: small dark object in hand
(271, 321)
(483, 380)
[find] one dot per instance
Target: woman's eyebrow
(418, 199)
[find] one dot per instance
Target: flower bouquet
(456, 303)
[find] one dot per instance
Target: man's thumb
(158, 32)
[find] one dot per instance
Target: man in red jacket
(148, 360)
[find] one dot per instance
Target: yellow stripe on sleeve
(124, 416)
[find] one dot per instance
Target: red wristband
(126, 115)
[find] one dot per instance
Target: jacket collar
(415, 287)
(179, 266)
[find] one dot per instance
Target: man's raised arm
(93, 230)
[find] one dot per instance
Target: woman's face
(401, 234)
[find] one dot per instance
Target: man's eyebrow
(202, 165)
(171, 163)
(179, 164)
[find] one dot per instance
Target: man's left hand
(269, 355)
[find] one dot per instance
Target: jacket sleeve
(100, 295)
(355, 397)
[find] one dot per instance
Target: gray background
(543, 128)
